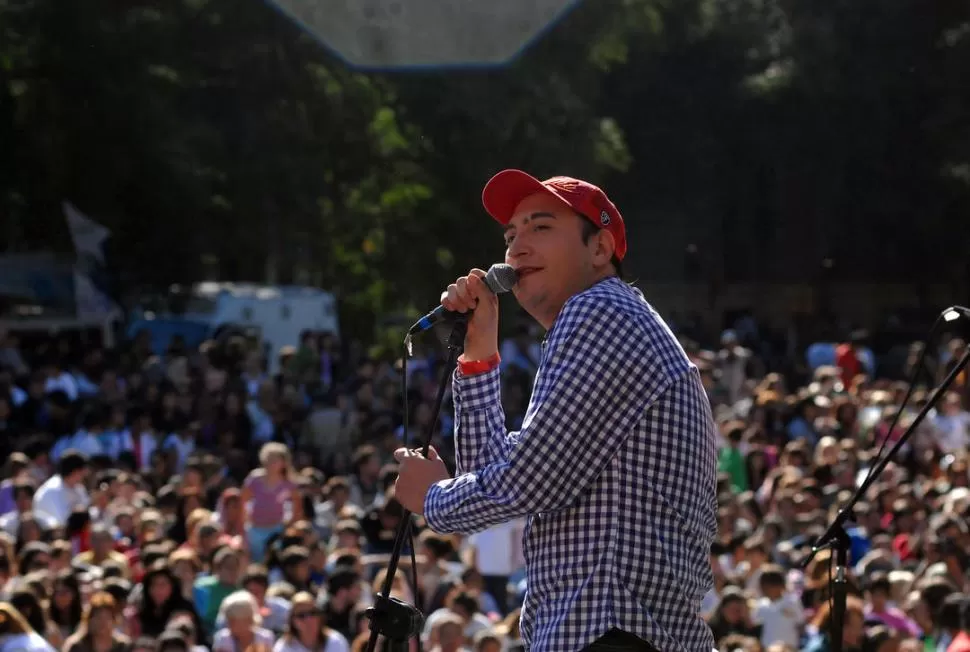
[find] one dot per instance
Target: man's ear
(605, 248)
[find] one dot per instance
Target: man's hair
(24, 487)
(71, 461)
(348, 559)
(485, 637)
(772, 576)
(440, 546)
(949, 615)
(256, 573)
(342, 578)
(879, 583)
(388, 475)
(294, 555)
(589, 230)
(337, 482)
(464, 599)
(224, 554)
(170, 641)
(363, 455)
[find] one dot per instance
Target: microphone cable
(405, 441)
(914, 375)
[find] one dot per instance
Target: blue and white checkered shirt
(615, 466)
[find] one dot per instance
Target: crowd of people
(189, 500)
(791, 456)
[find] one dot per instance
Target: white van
(276, 314)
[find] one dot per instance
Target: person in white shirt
(181, 444)
(23, 496)
(140, 441)
(779, 613)
(497, 556)
(751, 567)
(116, 437)
(952, 425)
(86, 440)
(58, 379)
(243, 625)
(57, 498)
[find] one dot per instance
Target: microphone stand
(836, 537)
(394, 619)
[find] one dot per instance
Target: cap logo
(604, 218)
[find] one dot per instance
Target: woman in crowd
(29, 606)
(307, 629)
(801, 443)
(272, 496)
(232, 513)
(66, 608)
(97, 631)
(160, 597)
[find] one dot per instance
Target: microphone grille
(501, 277)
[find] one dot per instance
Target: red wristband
(472, 367)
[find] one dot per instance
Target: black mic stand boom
(835, 536)
(391, 618)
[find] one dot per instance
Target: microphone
(499, 279)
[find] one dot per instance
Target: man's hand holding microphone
(469, 294)
(474, 295)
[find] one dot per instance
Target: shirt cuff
(431, 502)
(479, 391)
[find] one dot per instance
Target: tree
(212, 136)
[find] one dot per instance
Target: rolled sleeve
(479, 420)
(477, 391)
(434, 512)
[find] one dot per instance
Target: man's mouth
(527, 271)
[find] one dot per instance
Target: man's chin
(531, 302)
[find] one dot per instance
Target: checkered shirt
(615, 467)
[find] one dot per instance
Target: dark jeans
(498, 587)
(617, 640)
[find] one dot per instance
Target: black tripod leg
(396, 646)
(382, 622)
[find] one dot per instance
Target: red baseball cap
(505, 190)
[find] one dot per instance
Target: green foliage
(214, 133)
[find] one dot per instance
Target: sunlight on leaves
(445, 258)
(385, 130)
(611, 149)
(776, 76)
(404, 195)
(373, 244)
(165, 73)
(605, 53)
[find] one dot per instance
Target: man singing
(615, 462)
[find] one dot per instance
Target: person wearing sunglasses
(307, 630)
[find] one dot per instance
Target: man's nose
(519, 247)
